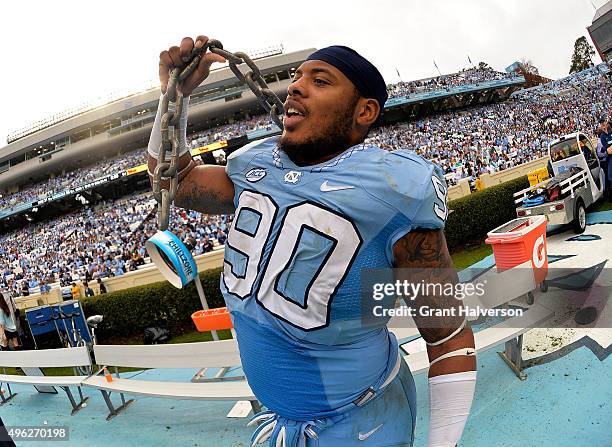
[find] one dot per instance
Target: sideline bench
(509, 331)
(215, 354)
(220, 354)
(46, 358)
(501, 289)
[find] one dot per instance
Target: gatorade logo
(539, 252)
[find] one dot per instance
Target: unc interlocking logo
(292, 177)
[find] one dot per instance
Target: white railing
(570, 184)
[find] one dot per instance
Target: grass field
(604, 205)
(195, 336)
(469, 255)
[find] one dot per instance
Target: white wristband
(155, 139)
(445, 339)
(450, 397)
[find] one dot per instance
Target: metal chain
(170, 142)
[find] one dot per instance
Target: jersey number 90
(440, 208)
(337, 234)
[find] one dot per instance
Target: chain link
(171, 118)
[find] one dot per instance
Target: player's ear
(367, 112)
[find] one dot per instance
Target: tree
(527, 66)
(583, 55)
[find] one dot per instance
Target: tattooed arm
(422, 256)
(202, 188)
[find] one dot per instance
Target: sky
(56, 55)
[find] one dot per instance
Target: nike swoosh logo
(364, 436)
(326, 187)
(469, 353)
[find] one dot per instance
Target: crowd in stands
(122, 162)
(96, 242)
(500, 136)
(564, 84)
(466, 143)
(223, 132)
(445, 82)
(227, 131)
(72, 179)
(108, 240)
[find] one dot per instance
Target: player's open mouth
(294, 113)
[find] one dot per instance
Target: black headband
(365, 76)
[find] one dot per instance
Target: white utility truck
(578, 181)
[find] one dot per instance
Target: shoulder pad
(415, 187)
(406, 172)
(239, 159)
(245, 148)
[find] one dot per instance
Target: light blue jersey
(291, 280)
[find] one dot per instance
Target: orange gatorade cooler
(518, 241)
(212, 319)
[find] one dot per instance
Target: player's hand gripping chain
(170, 143)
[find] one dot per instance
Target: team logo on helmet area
(255, 175)
(292, 177)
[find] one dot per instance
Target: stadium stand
(465, 143)
(495, 137)
(90, 243)
(464, 77)
(72, 179)
(253, 127)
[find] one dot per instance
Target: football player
(313, 209)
